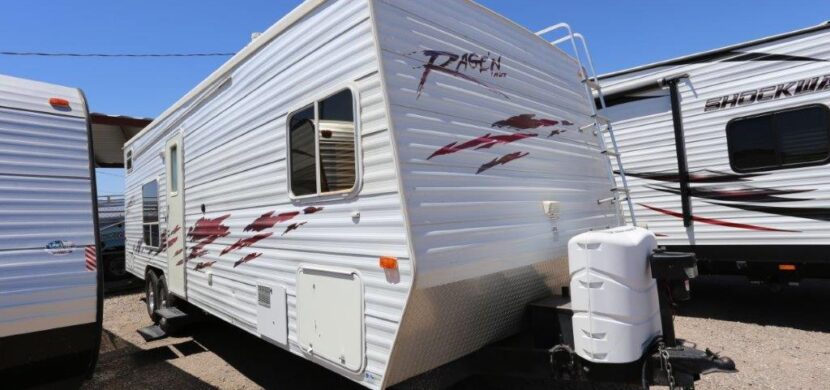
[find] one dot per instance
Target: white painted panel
(34, 96)
(272, 313)
(330, 315)
(46, 215)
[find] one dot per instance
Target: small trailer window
(150, 213)
(321, 137)
(129, 163)
(778, 140)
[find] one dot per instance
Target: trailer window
(779, 140)
(129, 163)
(322, 142)
(150, 213)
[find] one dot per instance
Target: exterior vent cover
(264, 296)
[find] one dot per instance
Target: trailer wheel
(151, 293)
(164, 300)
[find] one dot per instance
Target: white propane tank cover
(613, 296)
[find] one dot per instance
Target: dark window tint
(782, 139)
(150, 213)
(337, 165)
(129, 163)
(322, 157)
(303, 152)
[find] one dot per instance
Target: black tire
(151, 293)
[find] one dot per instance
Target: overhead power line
(111, 55)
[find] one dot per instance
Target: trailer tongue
(614, 324)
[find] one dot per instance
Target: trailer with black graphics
(727, 152)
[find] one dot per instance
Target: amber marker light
(388, 262)
(58, 102)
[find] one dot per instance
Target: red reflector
(786, 267)
(58, 102)
(387, 262)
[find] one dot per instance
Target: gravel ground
(778, 341)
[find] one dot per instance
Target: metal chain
(666, 364)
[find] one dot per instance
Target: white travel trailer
(50, 282)
(378, 186)
(735, 167)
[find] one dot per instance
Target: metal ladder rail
(610, 129)
(595, 115)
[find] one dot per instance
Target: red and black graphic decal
(455, 65)
(90, 258)
(245, 242)
(206, 231)
(518, 122)
(718, 222)
(246, 259)
(527, 121)
(814, 213)
(202, 265)
(501, 161)
(268, 220)
(701, 176)
(737, 194)
(484, 142)
(293, 226)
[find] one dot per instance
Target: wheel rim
(151, 299)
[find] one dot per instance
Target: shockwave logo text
(769, 93)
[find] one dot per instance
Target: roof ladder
(600, 125)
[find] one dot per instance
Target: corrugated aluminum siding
(483, 246)
(647, 145)
(45, 197)
(235, 163)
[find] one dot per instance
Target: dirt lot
(779, 341)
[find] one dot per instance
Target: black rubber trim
(99, 269)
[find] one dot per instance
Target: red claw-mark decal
(506, 139)
(311, 210)
(293, 226)
(556, 132)
(175, 230)
(203, 265)
(268, 220)
(501, 161)
(246, 259)
(245, 242)
(524, 122)
(473, 60)
(455, 147)
(718, 222)
(484, 142)
(206, 231)
(172, 240)
(178, 252)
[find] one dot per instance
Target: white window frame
(358, 155)
(158, 217)
(128, 161)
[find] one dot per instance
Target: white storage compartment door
(330, 315)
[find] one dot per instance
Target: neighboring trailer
(377, 186)
(735, 168)
(50, 282)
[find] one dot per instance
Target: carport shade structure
(110, 133)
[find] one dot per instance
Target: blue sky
(621, 34)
